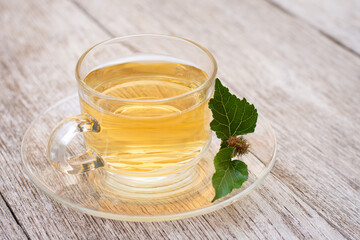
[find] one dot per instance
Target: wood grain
(339, 20)
(280, 63)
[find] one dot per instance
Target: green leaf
(231, 116)
(229, 173)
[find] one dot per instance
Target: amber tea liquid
(148, 138)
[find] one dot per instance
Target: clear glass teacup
(144, 103)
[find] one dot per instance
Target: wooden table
(297, 61)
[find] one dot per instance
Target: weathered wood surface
(339, 20)
(302, 81)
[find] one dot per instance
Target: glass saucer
(84, 193)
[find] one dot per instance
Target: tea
(144, 135)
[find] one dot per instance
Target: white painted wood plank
(338, 19)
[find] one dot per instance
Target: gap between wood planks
(14, 216)
(92, 18)
(326, 35)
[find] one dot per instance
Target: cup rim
(210, 80)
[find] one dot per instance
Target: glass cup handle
(62, 135)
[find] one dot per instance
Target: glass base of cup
(130, 187)
(145, 187)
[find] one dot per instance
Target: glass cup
(145, 116)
